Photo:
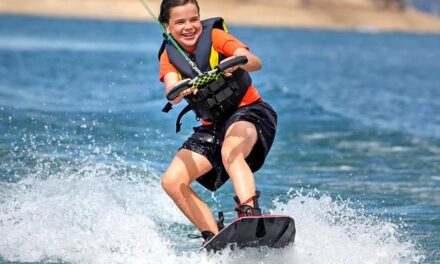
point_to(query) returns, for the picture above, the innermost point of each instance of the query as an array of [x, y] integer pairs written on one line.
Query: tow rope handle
[[174, 93]]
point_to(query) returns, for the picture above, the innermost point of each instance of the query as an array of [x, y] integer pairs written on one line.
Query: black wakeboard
[[275, 231]]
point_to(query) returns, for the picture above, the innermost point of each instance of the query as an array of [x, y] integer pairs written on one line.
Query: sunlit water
[[83, 143]]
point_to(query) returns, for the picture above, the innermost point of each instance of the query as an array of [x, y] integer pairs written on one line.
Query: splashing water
[[330, 231], [107, 214]]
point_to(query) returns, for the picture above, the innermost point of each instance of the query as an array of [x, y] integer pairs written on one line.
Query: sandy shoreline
[[323, 14]]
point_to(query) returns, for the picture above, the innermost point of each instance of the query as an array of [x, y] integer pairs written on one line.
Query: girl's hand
[[228, 72], [191, 90]]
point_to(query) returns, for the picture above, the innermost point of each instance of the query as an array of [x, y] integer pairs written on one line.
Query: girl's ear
[[167, 27]]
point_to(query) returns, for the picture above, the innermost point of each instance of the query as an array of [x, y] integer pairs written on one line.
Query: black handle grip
[[174, 93], [240, 60]]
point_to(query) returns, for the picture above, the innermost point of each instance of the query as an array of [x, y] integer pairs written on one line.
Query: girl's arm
[[171, 79], [253, 64]]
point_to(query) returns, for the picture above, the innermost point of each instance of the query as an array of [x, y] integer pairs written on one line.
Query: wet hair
[[167, 5]]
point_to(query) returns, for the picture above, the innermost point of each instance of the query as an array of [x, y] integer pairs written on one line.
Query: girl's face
[[185, 26]]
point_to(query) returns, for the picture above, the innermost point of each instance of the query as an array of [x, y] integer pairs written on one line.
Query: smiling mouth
[[189, 35]]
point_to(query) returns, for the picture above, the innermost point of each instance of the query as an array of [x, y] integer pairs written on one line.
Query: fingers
[[192, 90], [228, 72], [195, 90]]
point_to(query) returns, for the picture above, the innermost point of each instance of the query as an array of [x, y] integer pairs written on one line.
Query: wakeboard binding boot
[[206, 235], [243, 209]]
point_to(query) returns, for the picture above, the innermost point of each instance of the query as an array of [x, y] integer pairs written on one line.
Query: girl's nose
[[188, 24]]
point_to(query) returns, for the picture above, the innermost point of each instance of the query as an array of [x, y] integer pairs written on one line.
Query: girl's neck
[[190, 50]]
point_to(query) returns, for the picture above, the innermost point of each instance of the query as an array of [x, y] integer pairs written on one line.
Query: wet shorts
[[208, 140]]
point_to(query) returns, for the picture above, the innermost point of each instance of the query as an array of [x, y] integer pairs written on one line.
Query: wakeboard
[[275, 231]]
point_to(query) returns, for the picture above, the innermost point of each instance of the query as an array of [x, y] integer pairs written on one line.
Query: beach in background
[[365, 15]]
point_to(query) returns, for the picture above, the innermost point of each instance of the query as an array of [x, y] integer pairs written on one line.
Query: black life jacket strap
[[167, 107], [185, 110], [179, 117]]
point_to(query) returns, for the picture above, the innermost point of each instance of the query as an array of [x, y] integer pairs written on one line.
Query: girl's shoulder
[[220, 36], [226, 43], [218, 33]]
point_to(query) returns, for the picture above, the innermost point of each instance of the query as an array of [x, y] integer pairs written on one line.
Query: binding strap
[[221, 221], [237, 207], [246, 210]]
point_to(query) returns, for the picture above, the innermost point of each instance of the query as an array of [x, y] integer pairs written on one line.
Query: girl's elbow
[[258, 64]]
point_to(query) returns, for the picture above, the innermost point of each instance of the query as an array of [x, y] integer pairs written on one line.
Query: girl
[[232, 146]]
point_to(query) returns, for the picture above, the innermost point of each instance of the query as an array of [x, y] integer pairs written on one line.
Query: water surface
[[83, 143]]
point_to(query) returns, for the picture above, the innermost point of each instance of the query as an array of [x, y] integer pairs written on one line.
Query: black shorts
[[208, 141]]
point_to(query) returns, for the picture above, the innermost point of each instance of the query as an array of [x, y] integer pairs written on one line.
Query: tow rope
[[170, 38]]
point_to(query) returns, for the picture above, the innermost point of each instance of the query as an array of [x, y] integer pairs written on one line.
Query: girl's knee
[[230, 155], [170, 183], [226, 153]]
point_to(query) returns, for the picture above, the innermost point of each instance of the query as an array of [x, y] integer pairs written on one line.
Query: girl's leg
[[186, 167], [239, 140]]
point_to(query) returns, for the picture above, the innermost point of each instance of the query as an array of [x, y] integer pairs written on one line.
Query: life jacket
[[219, 98]]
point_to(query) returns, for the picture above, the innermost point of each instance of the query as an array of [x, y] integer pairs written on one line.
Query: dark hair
[[167, 5]]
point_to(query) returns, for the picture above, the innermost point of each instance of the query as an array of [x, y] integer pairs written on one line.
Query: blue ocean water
[[83, 142]]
